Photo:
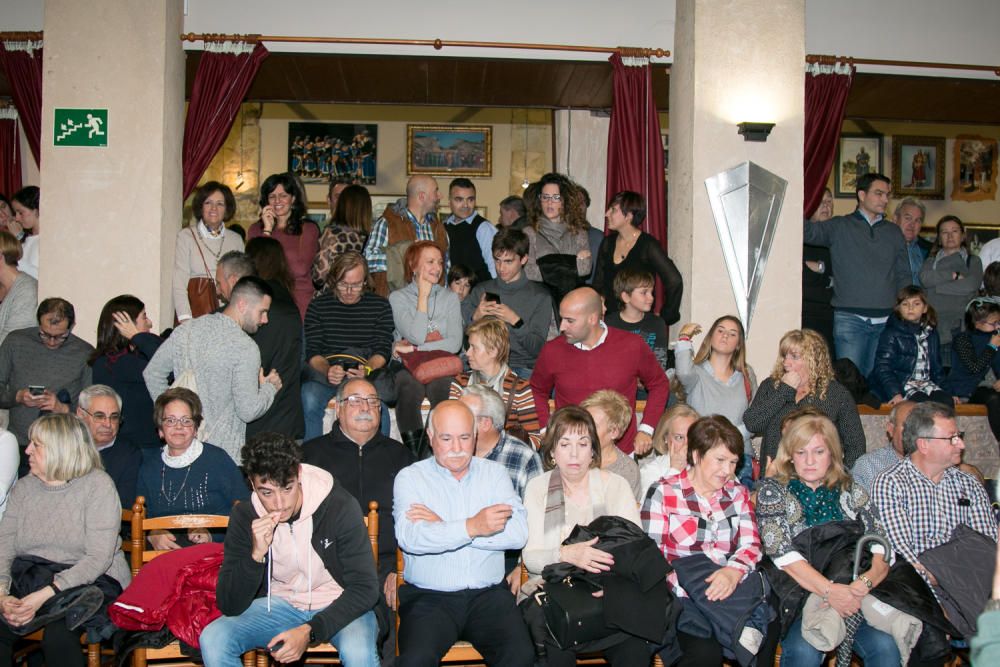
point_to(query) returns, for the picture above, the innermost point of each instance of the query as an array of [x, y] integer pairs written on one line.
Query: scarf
[[495, 383], [186, 458], [819, 506], [555, 506]]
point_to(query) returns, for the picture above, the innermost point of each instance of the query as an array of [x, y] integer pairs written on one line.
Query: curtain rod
[[438, 44], [21, 36], [832, 60]]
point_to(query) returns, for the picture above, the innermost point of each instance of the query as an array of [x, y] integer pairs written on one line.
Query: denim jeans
[[873, 646], [315, 397], [227, 638], [856, 339]]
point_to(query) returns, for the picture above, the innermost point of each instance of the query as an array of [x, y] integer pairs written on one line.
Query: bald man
[[455, 514], [589, 356], [869, 466], [402, 223]]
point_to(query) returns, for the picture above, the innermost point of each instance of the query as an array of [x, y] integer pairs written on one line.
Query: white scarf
[[184, 459]]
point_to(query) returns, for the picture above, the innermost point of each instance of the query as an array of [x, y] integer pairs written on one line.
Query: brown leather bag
[[203, 297], [431, 365]]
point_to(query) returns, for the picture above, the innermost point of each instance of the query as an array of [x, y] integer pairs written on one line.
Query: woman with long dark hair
[[125, 345], [26, 202], [283, 218], [348, 230]]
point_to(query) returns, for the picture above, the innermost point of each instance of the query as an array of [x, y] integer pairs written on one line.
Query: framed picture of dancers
[[321, 152], [918, 167], [857, 155], [975, 169], [449, 150]]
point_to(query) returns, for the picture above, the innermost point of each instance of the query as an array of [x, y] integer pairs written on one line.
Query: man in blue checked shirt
[[455, 514]]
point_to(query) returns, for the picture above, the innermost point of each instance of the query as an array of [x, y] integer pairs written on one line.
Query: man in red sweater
[[590, 356]]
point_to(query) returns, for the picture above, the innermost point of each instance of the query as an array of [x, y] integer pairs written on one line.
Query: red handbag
[[431, 365]]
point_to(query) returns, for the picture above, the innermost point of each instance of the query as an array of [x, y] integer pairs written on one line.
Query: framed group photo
[[321, 152], [918, 167], [857, 155], [975, 169], [449, 150]]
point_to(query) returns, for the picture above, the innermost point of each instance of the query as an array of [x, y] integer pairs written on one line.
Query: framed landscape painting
[[449, 150], [857, 155], [918, 167], [975, 165]]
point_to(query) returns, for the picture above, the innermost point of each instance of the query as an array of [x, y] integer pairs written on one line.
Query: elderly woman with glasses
[[187, 476], [347, 318]]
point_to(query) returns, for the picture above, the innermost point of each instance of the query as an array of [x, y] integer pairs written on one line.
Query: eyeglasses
[[174, 422], [555, 198], [113, 418], [61, 338], [356, 401], [954, 439], [350, 287]]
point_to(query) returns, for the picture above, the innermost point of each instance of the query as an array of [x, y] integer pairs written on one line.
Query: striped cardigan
[[522, 411]]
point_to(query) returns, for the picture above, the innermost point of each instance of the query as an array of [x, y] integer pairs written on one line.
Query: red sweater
[[617, 363]]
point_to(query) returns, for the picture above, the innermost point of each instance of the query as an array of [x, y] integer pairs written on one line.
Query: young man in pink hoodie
[[298, 567]]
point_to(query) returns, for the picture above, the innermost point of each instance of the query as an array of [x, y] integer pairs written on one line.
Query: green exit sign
[[81, 127]]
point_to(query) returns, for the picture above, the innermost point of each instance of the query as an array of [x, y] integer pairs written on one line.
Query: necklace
[[180, 489], [628, 245], [215, 253]]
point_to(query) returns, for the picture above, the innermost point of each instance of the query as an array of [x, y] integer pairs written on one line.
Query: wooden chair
[[140, 555], [95, 652], [325, 653]]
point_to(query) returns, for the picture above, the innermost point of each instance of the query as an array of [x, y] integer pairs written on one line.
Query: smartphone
[[36, 389], [490, 296], [348, 364], [277, 647]]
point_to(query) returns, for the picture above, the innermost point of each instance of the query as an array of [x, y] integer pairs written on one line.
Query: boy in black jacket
[[298, 567]]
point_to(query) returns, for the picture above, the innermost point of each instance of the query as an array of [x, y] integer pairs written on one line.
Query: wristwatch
[[312, 636], [518, 324], [868, 582]]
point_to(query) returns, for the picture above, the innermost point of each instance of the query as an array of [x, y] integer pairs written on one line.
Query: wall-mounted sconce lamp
[[755, 131]]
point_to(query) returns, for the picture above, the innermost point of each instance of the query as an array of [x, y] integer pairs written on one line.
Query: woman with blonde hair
[[809, 486], [803, 376], [669, 454], [612, 414], [718, 380], [62, 518], [488, 354]]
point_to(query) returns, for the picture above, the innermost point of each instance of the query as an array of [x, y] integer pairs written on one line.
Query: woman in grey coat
[[951, 275]]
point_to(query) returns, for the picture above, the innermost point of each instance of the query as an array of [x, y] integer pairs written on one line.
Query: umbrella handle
[[865, 539]]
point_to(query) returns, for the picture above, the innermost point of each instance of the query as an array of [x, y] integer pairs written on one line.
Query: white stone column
[[740, 60], [109, 215], [582, 154]]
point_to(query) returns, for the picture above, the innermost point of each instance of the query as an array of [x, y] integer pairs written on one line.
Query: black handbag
[[573, 615]]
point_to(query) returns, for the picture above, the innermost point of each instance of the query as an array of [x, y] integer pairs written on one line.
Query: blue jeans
[[522, 372], [856, 339], [227, 638], [873, 646], [315, 397]]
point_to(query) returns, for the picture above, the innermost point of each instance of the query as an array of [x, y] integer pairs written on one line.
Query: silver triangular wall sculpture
[[746, 201]]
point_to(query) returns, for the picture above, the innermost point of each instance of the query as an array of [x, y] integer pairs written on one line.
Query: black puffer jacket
[[896, 356], [829, 548]]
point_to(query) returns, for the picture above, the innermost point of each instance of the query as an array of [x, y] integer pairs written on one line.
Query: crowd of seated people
[[489, 323]]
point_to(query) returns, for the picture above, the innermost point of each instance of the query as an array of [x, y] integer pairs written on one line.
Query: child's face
[[641, 298], [989, 325], [461, 287], [912, 308]]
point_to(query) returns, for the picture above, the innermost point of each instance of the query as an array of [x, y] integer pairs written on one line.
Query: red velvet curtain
[[221, 83], [22, 65], [10, 157], [635, 154], [827, 89]]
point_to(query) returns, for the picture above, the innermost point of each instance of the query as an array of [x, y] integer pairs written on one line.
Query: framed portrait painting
[[321, 152], [975, 167], [857, 155], [449, 150], [918, 167]]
